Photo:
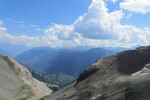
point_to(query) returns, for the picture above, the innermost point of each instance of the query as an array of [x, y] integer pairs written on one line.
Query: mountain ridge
[[70, 62], [111, 78]]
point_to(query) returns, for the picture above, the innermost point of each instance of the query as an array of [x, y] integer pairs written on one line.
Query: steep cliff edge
[[112, 78]]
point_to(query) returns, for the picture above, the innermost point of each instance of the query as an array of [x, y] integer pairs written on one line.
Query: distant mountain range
[[7, 49], [71, 61], [68, 61]]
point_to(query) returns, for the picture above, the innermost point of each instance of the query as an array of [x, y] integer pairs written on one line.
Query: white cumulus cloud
[[22, 39], [97, 22], [138, 6], [60, 32]]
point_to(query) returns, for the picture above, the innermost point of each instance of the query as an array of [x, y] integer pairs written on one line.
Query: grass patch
[[1, 99], [24, 93], [5, 58], [53, 87], [43, 98], [10, 64], [25, 98]]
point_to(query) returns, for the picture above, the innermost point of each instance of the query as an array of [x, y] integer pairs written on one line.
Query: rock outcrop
[[112, 78]]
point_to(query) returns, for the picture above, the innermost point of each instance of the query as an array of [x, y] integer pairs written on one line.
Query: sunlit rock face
[[144, 71]]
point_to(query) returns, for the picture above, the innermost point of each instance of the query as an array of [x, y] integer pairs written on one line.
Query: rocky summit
[[123, 76]]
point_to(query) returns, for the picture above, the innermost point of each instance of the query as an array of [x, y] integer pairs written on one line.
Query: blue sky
[[61, 23], [40, 13], [43, 12]]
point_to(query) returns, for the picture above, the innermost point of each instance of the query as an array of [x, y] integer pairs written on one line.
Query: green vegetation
[[43, 98], [11, 64], [59, 79], [1, 99], [24, 93], [53, 87], [24, 98], [130, 93]]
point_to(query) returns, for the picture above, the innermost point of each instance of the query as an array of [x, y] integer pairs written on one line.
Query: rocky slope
[[123, 76], [17, 83]]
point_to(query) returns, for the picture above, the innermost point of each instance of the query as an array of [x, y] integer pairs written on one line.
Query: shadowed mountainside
[[117, 77]]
